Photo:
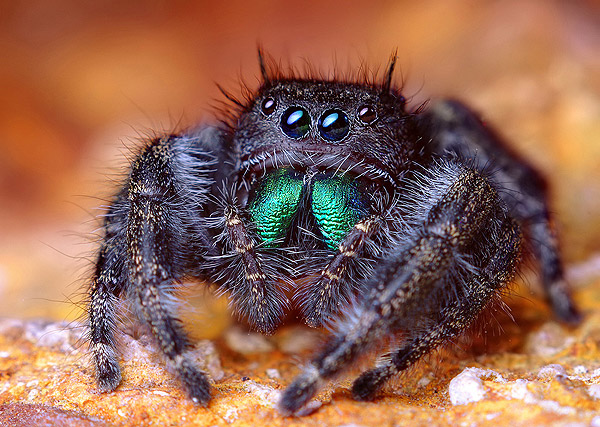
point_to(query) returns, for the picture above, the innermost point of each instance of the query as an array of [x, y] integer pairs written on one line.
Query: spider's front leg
[[460, 249], [154, 236], [106, 287], [454, 128]]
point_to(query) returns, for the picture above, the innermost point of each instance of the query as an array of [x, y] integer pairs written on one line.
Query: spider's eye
[[367, 114], [295, 122], [334, 125], [268, 106]]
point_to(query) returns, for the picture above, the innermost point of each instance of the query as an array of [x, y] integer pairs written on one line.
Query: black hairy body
[[377, 220]]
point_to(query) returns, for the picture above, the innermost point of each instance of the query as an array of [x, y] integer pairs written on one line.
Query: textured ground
[[533, 374], [79, 80]]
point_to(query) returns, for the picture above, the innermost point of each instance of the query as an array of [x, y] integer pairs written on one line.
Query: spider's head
[[319, 126]]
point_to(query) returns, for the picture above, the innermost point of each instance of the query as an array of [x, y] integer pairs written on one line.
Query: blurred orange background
[[81, 81]]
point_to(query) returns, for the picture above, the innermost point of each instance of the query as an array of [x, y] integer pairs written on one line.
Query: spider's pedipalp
[[322, 294]]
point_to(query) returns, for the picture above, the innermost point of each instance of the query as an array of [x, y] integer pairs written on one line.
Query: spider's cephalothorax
[[332, 200]]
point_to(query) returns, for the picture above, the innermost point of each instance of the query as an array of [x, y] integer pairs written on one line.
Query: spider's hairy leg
[[332, 287], [454, 210], [166, 191], [454, 128], [158, 238], [453, 318], [107, 285]]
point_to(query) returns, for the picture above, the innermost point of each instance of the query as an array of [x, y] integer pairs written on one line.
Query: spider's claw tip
[[297, 394], [197, 386], [365, 387]]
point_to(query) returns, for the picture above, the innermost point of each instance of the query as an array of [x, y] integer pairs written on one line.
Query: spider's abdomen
[[335, 202]]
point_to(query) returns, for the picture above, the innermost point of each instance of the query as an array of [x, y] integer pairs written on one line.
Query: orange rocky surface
[[535, 372]]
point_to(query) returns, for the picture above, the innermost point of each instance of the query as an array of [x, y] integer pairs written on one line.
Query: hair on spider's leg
[[106, 287], [164, 235], [455, 128], [454, 318], [102, 317], [544, 243]]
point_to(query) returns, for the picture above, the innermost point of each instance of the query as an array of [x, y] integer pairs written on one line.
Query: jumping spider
[[333, 199]]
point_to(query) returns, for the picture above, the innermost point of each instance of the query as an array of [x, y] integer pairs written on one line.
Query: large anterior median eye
[[334, 125], [295, 122]]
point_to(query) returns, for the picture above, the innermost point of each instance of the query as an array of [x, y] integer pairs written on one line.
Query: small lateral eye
[[367, 114], [334, 125], [295, 122], [268, 105]]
